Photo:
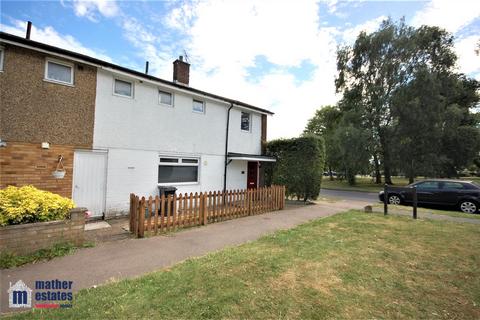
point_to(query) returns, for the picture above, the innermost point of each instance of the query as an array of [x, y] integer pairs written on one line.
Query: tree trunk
[[378, 176], [330, 173], [386, 159]]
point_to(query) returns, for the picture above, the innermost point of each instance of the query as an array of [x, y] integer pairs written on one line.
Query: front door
[[252, 177], [89, 181]]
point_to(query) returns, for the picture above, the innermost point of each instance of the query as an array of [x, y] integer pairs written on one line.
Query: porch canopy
[[250, 157]]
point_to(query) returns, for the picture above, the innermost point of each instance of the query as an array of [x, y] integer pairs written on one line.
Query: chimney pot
[[181, 71]]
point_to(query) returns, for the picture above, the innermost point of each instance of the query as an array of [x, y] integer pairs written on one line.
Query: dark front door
[[252, 176]]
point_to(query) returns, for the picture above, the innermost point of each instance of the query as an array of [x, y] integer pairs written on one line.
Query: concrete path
[[134, 257]]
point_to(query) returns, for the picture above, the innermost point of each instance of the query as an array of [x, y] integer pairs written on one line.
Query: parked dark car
[[464, 195]]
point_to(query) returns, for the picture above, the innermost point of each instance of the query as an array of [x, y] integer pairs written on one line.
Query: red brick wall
[[27, 163], [30, 237]]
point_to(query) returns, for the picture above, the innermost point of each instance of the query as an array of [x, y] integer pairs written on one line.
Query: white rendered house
[[150, 132]]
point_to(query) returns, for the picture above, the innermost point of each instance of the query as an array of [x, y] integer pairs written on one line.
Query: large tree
[[378, 65]]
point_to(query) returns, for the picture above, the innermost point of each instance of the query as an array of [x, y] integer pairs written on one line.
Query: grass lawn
[[349, 266], [408, 209], [366, 184]]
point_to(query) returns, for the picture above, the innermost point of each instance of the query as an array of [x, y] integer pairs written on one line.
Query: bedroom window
[[59, 72], [165, 98], [123, 88], [245, 121], [178, 170], [198, 106]]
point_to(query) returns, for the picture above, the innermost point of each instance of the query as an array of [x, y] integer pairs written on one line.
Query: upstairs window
[[245, 121], [60, 72], [1, 58], [123, 88], [198, 106], [165, 98], [178, 170]]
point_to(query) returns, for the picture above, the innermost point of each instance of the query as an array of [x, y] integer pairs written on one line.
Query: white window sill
[[177, 184], [59, 82], [166, 105], [245, 131], [122, 96]]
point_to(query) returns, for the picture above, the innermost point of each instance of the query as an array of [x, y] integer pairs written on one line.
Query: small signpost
[[414, 200], [385, 200]]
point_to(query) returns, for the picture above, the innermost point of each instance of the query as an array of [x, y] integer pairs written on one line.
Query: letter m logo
[[19, 295]]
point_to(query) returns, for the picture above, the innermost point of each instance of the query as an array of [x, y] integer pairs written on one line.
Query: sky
[[278, 55]]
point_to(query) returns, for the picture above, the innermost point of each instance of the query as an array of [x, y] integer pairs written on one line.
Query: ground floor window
[[178, 170]]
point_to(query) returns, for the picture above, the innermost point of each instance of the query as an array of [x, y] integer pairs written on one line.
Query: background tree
[[324, 123], [379, 78]]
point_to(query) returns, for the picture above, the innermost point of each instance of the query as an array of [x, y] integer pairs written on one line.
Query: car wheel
[[394, 199], [468, 206]]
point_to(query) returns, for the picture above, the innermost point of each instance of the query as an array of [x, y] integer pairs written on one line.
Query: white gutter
[[253, 159]]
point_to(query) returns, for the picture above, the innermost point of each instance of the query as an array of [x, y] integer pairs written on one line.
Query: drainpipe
[[226, 150]]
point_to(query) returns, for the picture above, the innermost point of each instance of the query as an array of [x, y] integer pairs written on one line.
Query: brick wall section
[[35, 110], [27, 163], [181, 71], [30, 237]]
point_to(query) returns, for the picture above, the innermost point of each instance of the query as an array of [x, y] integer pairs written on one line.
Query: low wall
[[29, 237]]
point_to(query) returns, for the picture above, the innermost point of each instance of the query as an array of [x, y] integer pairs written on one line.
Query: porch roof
[[250, 157]]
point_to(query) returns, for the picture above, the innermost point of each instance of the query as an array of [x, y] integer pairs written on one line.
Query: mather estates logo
[[47, 294]]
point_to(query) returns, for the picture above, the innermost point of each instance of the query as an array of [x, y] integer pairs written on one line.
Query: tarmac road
[[350, 195]]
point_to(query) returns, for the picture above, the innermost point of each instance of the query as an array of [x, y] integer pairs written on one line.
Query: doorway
[[252, 176], [89, 181]]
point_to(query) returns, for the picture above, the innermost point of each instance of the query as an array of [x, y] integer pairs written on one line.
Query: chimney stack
[[29, 29], [181, 71]]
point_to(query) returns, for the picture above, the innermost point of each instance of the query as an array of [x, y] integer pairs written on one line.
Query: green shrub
[[29, 204], [299, 165]]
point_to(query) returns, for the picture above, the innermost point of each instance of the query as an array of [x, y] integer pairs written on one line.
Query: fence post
[[385, 199], [141, 218], [204, 208], [249, 195], [415, 202]]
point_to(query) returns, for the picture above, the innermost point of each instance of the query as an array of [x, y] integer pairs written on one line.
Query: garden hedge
[[299, 166]]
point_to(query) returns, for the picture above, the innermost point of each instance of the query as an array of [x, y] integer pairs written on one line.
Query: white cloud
[[468, 60], [50, 36], [351, 34], [451, 15], [226, 37], [89, 8]]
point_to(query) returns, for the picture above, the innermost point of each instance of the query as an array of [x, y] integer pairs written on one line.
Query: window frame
[[172, 98], [180, 163], [132, 91], [203, 103], [249, 121], [62, 63], [2, 58]]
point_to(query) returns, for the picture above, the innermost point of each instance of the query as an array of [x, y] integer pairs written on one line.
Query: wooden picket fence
[[162, 214]]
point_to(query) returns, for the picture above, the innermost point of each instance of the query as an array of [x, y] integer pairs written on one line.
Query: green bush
[[29, 204], [299, 165]]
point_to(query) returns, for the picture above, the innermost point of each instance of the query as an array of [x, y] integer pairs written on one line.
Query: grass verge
[[366, 184], [349, 266], [10, 260], [408, 209]]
